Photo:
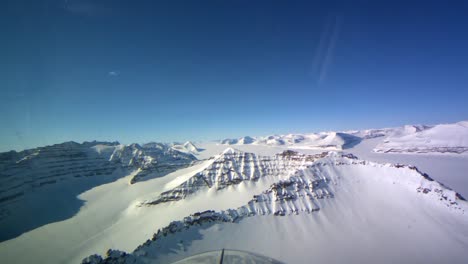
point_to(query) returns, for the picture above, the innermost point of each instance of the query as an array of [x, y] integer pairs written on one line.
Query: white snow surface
[[440, 138]]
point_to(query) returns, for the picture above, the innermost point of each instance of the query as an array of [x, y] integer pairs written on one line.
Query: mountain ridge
[[295, 195]]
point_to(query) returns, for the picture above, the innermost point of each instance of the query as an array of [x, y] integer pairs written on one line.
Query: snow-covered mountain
[[451, 138], [26, 174], [28, 170], [233, 167], [329, 186], [445, 138], [151, 159], [187, 147], [385, 132], [238, 141], [324, 140], [293, 197]]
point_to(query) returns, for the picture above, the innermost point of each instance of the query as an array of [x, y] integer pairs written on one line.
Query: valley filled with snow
[[391, 195]]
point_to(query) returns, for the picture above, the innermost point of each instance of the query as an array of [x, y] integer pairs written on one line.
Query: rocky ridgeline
[[25, 171], [151, 158], [21, 172], [298, 194], [436, 189], [233, 167], [299, 187], [456, 150], [419, 181]]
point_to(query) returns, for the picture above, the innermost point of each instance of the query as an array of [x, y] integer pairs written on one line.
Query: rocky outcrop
[[233, 167], [456, 150], [151, 158]]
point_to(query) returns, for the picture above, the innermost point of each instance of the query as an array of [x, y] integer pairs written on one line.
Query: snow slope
[[187, 147], [449, 168], [450, 138]]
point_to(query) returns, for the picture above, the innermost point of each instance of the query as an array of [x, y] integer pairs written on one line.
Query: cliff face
[[233, 167]]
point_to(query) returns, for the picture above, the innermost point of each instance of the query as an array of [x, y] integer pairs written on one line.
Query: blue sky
[[138, 71]]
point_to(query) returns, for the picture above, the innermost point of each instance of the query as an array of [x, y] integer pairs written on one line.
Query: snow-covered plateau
[[392, 195], [441, 138]]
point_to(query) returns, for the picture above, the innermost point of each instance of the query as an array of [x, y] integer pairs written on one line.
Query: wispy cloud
[[113, 73], [326, 49]]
